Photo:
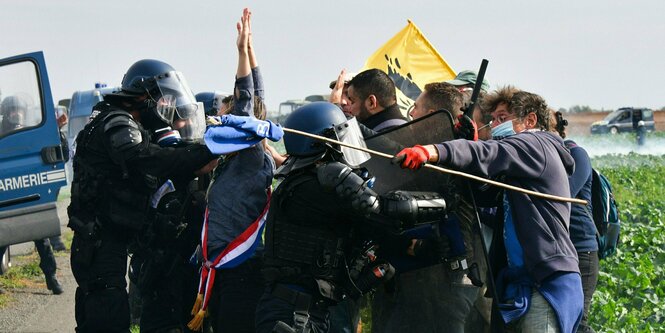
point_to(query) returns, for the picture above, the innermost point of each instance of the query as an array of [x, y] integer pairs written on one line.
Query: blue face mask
[[504, 130]]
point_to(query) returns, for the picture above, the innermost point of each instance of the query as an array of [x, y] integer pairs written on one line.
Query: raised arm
[[254, 65], [243, 95]]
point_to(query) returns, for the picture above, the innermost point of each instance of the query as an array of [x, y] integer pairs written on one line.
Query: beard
[[363, 113]]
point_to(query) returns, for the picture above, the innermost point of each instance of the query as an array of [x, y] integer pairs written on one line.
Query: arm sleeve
[[582, 171], [259, 90], [170, 162], [516, 156], [243, 97]]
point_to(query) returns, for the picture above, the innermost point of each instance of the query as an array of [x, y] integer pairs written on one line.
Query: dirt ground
[[580, 123]]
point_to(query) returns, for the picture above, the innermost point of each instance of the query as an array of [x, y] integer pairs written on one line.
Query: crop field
[[631, 287]]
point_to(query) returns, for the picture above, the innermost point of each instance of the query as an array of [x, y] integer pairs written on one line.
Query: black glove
[[466, 128]]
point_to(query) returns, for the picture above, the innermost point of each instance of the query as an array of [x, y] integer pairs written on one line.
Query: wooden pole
[[444, 170]]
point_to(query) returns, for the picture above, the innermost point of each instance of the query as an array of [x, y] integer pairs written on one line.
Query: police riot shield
[[433, 128]]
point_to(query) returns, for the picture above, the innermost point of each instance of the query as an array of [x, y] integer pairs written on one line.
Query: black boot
[[57, 244], [53, 285]]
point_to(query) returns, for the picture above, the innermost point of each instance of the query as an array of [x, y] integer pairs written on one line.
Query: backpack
[[605, 214]]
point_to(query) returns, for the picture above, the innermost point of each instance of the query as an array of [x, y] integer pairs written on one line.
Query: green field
[[631, 288]]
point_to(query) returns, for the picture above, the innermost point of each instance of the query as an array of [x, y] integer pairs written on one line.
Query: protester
[[440, 297], [237, 197], [437, 96], [116, 171], [372, 100], [466, 80], [340, 88], [538, 276], [582, 228]]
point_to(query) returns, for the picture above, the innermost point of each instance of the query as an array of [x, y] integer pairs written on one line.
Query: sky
[[604, 54]]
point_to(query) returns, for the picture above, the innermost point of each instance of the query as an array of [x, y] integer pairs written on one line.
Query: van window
[[20, 98], [623, 116], [647, 114]]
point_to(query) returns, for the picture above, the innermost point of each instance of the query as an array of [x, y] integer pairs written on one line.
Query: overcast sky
[[605, 54]]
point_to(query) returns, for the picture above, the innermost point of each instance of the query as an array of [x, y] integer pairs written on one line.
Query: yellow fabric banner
[[412, 62]]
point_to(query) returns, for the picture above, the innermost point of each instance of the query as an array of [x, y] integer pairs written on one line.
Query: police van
[[32, 168], [80, 108]]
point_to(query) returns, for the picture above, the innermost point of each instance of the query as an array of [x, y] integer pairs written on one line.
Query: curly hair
[[501, 95], [523, 102]]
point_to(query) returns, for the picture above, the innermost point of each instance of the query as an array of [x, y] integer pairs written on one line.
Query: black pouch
[[83, 250]]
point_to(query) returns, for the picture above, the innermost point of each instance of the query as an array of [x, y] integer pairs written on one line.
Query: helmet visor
[[175, 85], [349, 133], [192, 129]]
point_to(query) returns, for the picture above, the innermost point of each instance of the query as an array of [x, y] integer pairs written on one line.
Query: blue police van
[[32, 163], [80, 108]]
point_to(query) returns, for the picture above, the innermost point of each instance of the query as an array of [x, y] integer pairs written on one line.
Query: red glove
[[466, 128], [413, 158]]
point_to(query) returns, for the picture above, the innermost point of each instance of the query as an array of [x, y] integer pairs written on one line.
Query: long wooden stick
[[444, 170]]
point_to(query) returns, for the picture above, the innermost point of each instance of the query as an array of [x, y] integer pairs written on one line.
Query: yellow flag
[[412, 62]]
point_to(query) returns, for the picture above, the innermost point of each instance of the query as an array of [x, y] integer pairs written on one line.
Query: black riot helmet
[[324, 119], [166, 91]]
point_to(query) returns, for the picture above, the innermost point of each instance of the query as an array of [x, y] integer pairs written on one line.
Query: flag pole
[[444, 170]]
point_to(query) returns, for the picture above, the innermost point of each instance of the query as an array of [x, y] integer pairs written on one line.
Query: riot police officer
[[318, 249], [116, 173]]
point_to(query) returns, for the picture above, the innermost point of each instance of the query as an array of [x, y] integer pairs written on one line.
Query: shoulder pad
[[122, 131], [332, 174]]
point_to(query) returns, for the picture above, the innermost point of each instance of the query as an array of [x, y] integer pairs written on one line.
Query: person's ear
[[371, 102], [531, 120]]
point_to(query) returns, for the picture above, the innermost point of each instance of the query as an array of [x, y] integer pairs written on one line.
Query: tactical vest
[[103, 191], [298, 253]]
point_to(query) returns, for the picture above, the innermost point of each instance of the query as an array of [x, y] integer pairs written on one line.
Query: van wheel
[[614, 130], [6, 261]]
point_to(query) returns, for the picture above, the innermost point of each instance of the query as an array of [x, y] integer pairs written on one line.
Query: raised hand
[[336, 93], [243, 31]]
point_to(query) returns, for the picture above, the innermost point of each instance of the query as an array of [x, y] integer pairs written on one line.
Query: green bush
[[630, 296]]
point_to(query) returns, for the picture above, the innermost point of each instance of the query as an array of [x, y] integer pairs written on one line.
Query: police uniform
[[318, 242], [116, 170]]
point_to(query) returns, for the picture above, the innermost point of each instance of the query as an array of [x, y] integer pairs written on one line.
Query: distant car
[[624, 120]]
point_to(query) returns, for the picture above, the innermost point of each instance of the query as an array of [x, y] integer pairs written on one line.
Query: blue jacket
[[537, 161], [582, 228]]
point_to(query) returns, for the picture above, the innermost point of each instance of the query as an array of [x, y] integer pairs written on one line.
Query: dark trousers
[[46, 257], [272, 309], [99, 268], [589, 267], [431, 299], [235, 294], [167, 305]]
